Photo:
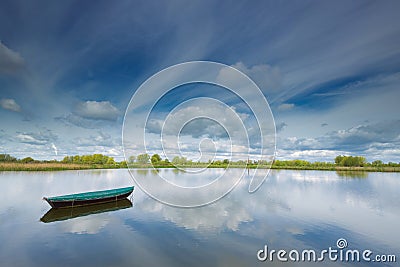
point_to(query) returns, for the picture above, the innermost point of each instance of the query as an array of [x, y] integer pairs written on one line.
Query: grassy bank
[[41, 166], [57, 166]]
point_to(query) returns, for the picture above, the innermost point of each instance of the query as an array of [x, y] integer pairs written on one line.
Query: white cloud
[[86, 225], [10, 104], [361, 136], [43, 137], [72, 119], [29, 139], [285, 106], [311, 155], [101, 139], [280, 126], [97, 110], [374, 141], [268, 78], [191, 119], [10, 61]]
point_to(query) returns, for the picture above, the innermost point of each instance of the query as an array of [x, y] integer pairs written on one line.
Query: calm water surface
[[292, 210]]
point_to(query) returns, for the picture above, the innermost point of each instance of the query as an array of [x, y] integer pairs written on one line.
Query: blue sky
[[329, 70]]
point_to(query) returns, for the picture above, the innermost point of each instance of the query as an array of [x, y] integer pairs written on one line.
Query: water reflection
[[54, 215], [352, 174], [308, 198], [143, 172], [292, 210]]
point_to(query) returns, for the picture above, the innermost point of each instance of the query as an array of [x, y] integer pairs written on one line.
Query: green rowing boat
[[89, 198]]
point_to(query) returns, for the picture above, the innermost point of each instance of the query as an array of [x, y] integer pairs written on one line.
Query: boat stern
[[48, 201]]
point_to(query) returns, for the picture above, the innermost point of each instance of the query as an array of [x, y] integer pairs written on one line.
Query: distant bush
[[350, 161], [27, 160], [7, 158], [89, 159]]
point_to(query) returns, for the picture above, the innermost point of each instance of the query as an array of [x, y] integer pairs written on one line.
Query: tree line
[[89, 159], [94, 159], [9, 158], [339, 161], [156, 160]]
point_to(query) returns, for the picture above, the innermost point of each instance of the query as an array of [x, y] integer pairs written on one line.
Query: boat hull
[[67, 203]]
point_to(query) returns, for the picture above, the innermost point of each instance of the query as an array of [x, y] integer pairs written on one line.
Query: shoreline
[[69, 166]]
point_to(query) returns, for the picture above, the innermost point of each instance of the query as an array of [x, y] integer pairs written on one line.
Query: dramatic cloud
[[10, 104], [10, 61], [43, 137], [217, 127], [362, 136], [195, 128], [102, 110], [375, 141], [336, 65]]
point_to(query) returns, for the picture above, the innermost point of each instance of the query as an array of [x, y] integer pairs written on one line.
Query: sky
[[330, 71]]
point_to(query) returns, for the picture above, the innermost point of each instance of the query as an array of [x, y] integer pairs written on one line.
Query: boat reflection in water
[[54, 214]]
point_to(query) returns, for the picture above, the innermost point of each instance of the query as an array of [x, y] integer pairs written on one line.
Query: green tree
[[176, 160], [68, 159], [155, 159], [350, 161], [143, 158], [132, 159], [27, 160], [86, 159], [7, 158], [240, 162], [98, 159], [123, 164], [377, 163], [110, 161], [338, 159], [77, 159], [179, 160]]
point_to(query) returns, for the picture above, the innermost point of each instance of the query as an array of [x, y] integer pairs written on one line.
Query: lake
[[292, 210]]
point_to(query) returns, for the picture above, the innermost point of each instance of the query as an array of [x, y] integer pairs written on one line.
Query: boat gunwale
[[80, 196]]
